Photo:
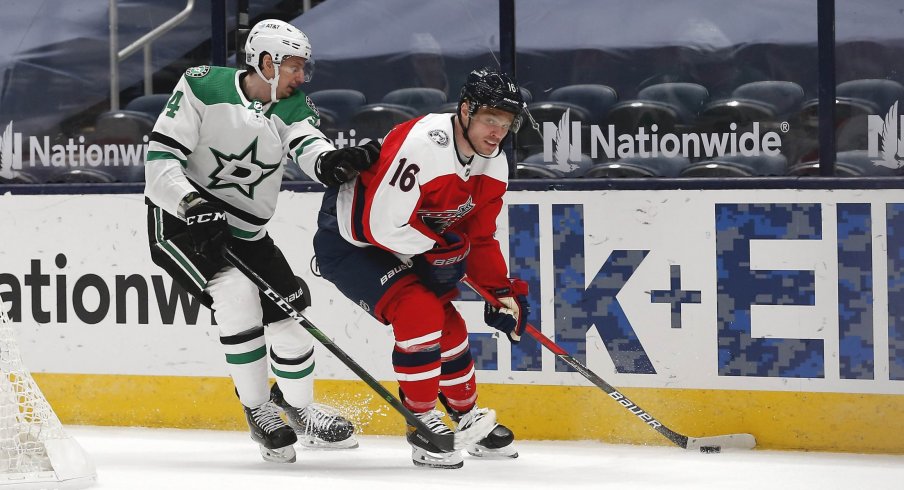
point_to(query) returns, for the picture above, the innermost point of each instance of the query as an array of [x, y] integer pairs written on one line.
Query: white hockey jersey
[[418, 190], [212, 140]]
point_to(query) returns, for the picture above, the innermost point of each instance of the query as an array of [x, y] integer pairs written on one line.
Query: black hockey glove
[[512, 318], [337, 167], [207, 228], [442, 267]]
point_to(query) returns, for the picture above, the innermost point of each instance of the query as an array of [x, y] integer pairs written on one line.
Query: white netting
[[33, 445]]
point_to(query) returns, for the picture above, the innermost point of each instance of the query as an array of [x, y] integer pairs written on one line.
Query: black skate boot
[[318, 426], [271, 433], [426, 454], [497, 444]]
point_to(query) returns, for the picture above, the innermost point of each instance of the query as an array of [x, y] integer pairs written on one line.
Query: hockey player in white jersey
[[214, 168]]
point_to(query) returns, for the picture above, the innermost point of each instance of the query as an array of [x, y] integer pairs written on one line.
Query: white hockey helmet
[[280, 40]]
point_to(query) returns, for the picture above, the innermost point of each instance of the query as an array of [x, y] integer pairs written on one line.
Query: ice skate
[[317, 426], [496, 444], [271, 433], [426, 454]]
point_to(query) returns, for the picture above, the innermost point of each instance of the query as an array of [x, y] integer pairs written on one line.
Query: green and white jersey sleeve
[[211, 139], [296, 119]]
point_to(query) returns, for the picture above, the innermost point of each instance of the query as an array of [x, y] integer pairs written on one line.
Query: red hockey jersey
[[419, 190]]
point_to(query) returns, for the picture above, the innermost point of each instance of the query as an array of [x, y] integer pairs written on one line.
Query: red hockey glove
[[442, 267], [512, 318]]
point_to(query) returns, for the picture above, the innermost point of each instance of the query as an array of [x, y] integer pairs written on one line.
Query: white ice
[[168, 459]]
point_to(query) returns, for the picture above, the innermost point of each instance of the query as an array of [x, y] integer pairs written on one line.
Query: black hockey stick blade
[[445, 442], [714, 443]]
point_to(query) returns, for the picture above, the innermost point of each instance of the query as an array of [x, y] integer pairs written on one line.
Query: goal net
[[35, 452]]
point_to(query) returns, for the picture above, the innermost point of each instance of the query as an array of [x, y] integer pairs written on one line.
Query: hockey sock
[[292, 361], [246, 360], [416, 316], [457, 379], [295, 378]]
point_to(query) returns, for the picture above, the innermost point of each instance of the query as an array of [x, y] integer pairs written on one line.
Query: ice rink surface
[[165, 459]]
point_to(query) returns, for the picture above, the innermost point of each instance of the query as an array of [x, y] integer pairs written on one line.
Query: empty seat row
[[855, 163]]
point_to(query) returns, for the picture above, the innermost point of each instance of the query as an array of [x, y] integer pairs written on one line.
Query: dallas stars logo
[[243, 171]]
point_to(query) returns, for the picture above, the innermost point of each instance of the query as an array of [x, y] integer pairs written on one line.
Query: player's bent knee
[[414, 312], [288, 339], [236, 301]]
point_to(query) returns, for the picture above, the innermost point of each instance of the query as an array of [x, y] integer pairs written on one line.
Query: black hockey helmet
[[486, 87]]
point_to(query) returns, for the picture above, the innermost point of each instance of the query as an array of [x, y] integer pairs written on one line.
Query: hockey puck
[[710, 449]]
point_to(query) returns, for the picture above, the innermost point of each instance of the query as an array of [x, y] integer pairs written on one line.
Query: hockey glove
[[337, 167], [441, 268], [207, 228], [512, 318]]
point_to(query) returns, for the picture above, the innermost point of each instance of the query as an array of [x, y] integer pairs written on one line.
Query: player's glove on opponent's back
[[207, 226], [512, 318], [443, 266], [337, 167]]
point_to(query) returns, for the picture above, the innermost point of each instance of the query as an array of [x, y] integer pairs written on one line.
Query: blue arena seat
[[672, 107], [536, 171], [595, 99], [738, 166], [857, 98], [424, 100], [688, 99], [766, 102], [81, 175], [639, 167], [628, 116], [375, 120], [122, 127], [785, 98], [852, 163], [341, 102], [149, 104]]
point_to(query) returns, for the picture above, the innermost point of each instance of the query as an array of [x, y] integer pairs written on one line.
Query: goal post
[[35, 451]]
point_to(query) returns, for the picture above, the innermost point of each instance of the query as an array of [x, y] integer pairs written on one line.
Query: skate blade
[[476, 432], [279, 455], [421, 464], [508, 452], [312, 442], [426, 459]]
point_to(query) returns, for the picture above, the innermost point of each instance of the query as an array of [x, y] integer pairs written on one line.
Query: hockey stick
[[704, 444], [445, 442]]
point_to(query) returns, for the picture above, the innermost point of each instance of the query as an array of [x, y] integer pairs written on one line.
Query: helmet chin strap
[[273, 82]]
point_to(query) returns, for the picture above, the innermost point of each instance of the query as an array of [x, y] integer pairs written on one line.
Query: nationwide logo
[[885, 142], [75, 153], [10, 152], [562, 143]]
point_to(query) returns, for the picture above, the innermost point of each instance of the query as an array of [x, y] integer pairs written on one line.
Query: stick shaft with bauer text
[[739, 441]]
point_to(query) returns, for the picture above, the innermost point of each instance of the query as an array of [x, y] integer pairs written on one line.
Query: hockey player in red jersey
[[397, 240]]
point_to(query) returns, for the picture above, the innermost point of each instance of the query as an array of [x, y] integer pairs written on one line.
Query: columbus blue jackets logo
[[197, 71], [439, 137], [440, 221]]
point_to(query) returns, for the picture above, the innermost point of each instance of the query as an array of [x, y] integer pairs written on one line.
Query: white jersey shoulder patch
[[439, 136], [197, 71]]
